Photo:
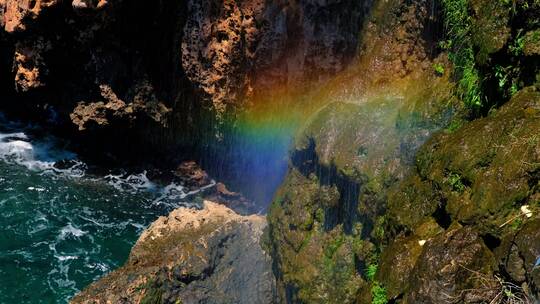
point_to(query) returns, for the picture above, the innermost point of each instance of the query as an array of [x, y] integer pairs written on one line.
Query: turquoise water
[[61, 229]]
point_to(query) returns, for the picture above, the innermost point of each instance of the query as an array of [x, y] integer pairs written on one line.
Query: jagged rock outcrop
[[211, 255]]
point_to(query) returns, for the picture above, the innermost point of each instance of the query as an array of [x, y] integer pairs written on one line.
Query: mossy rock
[[412, 201], [490, 30], [531, 44], [456, 266], [317, 263], [482, 173], [400, 256]]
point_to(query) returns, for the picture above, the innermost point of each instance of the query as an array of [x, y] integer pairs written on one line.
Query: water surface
[[60, 228]]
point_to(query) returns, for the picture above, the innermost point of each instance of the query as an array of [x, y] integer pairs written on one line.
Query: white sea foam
[[36, 189], [38, 155], [66, 257], [132, 182], [175, 195], [70, 230], [44, 155]]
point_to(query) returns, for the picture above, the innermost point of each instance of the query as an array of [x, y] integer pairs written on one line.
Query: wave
[[46, 155]]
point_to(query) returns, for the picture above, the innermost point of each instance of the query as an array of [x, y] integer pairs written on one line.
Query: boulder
[[211, 255], [455, 267]]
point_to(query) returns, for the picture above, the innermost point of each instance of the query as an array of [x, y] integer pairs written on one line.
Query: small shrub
[[454, 180], [371, 271], [378, 294], [439, 68], [517, 47]]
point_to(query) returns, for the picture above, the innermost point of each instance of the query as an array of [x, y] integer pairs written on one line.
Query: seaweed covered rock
[[211, 255]]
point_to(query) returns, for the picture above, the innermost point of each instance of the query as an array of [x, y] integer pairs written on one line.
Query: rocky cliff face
[[325, 221], [178, 69], [373, 211], [211, 255]]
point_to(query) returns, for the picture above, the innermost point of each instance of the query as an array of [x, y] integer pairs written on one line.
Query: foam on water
[[61, 227]]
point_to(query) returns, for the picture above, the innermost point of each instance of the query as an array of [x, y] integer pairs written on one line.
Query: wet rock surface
[[453, 268], [325, 220], [482, 177], [408, 217], [211, 255]]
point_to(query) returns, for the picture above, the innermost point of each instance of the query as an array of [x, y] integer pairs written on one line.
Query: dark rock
[[399, 258], [455, 267], [519, 253], [191, 175], [490, 28]]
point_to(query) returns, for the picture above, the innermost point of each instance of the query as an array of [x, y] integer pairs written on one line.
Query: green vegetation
[[378, 293], [490, 44], [371, 271], [518, 45], [516, 224], [506, 79], [461, 53], [453, 126], [439, 68], [454, 180]]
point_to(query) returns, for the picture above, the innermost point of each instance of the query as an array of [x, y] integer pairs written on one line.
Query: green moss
[[477, 174]]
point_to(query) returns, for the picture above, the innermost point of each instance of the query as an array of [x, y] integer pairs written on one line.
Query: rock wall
[[211, 255], [165, 76]]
